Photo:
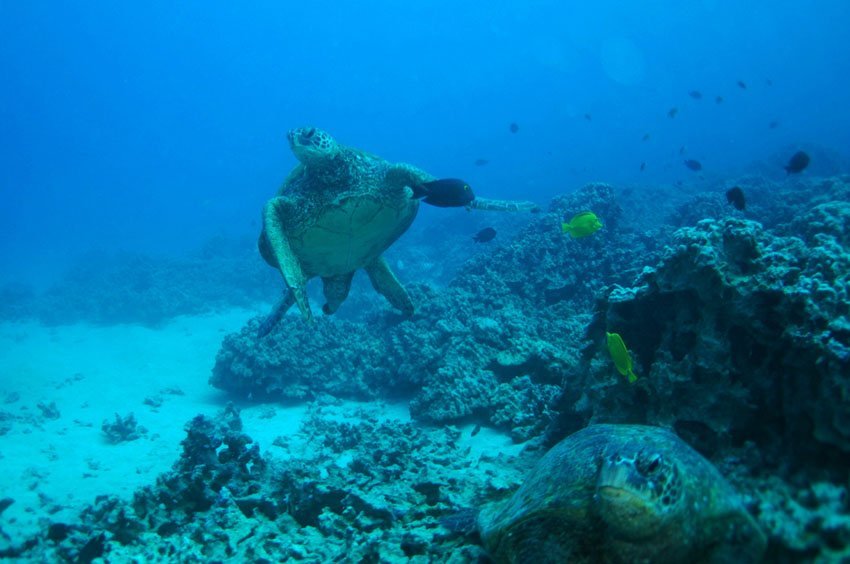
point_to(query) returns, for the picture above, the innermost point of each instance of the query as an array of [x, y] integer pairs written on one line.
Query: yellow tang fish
[[620, 356], [582, 224]]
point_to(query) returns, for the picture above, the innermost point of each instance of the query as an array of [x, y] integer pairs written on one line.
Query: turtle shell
[[351, 230], [344, 207]]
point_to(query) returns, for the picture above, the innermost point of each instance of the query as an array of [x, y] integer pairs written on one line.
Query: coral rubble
[[122, 429], [359, 488]]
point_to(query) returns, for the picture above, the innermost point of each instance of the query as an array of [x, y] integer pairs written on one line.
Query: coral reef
[[132, 287], [279, 368], [738, 326], [17, 302], [811, 523], [439, 242], [705, 205], [738, 331]]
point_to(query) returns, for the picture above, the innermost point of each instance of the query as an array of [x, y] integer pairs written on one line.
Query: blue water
[[155, 126]]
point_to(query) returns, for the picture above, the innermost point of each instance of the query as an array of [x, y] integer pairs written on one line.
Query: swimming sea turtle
[[622, 493], [338, 210]]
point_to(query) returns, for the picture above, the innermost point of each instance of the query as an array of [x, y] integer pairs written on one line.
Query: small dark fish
[[798, 163], [682, 150], [486, 234], [768, 82], [514, 127], [642, 167], [445, 193], [645, 137], [481, 162], [742, 85], [693, 165], [695, 94], [773, 125], [735, 196], [588, 117], [475, 430], [672, 113], [718, 100]]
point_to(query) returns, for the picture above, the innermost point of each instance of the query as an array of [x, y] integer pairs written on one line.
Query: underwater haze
[[154, 127], [425, 281]]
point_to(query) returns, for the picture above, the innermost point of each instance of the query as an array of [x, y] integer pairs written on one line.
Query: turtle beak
[[306, 137]]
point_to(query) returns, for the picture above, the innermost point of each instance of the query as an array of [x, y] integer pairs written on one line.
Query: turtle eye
[[309, 133], [654, 464]]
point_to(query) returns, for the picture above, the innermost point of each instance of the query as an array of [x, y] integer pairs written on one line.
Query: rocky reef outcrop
[[737, 335]]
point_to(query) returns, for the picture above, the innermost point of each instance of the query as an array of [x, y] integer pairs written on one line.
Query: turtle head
[[311, 146], [637, 492]]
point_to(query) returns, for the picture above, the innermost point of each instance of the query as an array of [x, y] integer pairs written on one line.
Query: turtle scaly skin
[[618, 494]]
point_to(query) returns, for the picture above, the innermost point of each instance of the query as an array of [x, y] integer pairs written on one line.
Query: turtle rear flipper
[[336, 290], [386, 284]]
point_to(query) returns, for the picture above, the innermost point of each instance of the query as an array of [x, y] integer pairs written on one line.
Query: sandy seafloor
[[53, 468]]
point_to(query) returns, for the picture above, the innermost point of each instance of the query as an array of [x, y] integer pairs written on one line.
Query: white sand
[[91, 373], [53, 469]]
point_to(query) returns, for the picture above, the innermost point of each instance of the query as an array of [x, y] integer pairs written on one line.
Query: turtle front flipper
[[385, 282], [336, 290], [277, 314], [275, 248], [504, 205], [400, 175]]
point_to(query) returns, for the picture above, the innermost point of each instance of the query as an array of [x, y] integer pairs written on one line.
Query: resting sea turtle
[[338, 210], [622, 493]]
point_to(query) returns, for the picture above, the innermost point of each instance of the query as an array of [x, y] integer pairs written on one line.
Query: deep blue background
[[155, 126]]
